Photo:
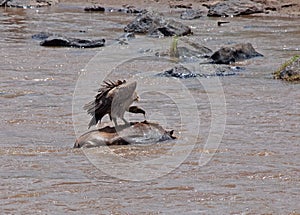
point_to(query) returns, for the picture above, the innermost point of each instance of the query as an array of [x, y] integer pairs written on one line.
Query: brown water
[[254, 171]]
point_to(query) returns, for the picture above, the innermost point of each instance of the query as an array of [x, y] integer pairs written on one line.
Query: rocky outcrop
[[290, 70], [135, 133], [234, 8], [157, 26], [233, 53], [27, 3]]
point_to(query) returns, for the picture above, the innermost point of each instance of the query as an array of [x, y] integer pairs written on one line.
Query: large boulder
[[234, 8], [157, 26], [233, 53], [135, 133], [290, 70]]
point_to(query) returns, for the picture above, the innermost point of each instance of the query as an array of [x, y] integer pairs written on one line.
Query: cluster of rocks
[[155, 25], [210, 64]]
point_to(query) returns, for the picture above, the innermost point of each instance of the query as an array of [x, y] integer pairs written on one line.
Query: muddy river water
[[238, 146]]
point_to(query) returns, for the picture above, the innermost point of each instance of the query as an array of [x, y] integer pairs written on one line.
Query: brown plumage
[[114, 98]]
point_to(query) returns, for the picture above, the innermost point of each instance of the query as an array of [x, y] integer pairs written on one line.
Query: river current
[[238, 146]]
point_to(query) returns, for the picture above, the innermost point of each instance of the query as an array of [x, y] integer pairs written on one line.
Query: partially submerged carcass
[[133, 133], [114, 98]]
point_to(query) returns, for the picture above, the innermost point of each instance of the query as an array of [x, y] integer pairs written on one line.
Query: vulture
[[113, 98]]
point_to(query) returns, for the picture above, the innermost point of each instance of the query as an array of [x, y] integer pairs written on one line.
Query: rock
[[94, 8], [227, 71], [233, 53], [178, 72], [27, 3], [57, 41], [157, 26], [190, 52], [126, 9], [191, 14], [186, 55], [234, 8], [136, 133], [182, 5], [184, 73], [290, 70]]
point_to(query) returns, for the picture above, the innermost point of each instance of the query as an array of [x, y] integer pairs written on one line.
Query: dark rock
[[182, 5], [231, 54], [136, 133], [94, 8], [157, 26], [234, 8], [191, 14], [27, 3], [127, 9], [290, 70], [220, 23], [184, 73], [178, 72], [71, 42], [228, 71]]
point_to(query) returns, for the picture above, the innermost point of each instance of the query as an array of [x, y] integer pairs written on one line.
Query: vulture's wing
[[103, 101], [123, 97]]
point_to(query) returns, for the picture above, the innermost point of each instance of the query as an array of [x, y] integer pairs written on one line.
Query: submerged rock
[[60, 41], [157, 26], [136, 133], [127, 9], [27, 3], [191, 14], [234, 8], [178, 72], [290, 70], [184, 73], [233, 53]]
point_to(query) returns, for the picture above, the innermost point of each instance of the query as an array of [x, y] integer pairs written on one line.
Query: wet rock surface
[[289, 71], [178, 72], [157, 26], [27, 3], [234, 8], [126, 9], [192, 14], [234, 53], [181, 72], [61, 41], [136, 133]]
